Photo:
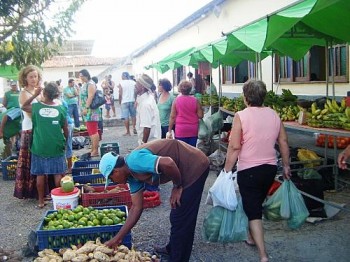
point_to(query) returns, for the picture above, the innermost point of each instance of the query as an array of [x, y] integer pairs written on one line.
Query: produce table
[[292, 125]]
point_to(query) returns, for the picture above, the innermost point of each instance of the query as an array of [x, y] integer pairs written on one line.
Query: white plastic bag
[[222, 192]]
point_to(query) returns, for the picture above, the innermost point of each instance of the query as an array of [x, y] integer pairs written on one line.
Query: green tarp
[[9, 72], [291, 32]]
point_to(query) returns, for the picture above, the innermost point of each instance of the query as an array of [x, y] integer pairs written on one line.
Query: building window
[[73, 74], [238, 74], [312, 67], [340, 62], [178, 75]]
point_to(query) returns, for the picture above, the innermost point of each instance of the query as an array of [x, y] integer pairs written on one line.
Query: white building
[[220, 16]]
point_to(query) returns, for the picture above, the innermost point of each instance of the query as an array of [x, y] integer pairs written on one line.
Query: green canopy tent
[[293, 30], [306, 23], [9, 72]]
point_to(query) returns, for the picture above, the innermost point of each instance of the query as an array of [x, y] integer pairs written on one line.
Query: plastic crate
[[109, 147], [107, 199], [89, 179], [151, 199], [64, 238], [9, 167], [84, 168]]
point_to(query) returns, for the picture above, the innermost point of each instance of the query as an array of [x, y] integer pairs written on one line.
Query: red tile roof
[[63, 61]]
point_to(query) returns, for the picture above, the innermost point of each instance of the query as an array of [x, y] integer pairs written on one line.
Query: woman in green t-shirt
[[165, 102], [50, 132]]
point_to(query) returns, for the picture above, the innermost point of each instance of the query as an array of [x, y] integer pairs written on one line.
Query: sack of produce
[[225, 226], [272, 207], [234, 225], [212, 224]]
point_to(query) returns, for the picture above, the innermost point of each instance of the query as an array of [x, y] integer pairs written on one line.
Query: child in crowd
[[108, 105], [48, 148]]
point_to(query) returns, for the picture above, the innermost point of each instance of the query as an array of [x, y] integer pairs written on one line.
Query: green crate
[[109, 147]]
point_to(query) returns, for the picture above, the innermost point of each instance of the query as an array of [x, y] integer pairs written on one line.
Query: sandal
[[40, 206], [47, 198], [135, 132], [251, 244]]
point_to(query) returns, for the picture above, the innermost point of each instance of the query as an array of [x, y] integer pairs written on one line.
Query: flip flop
[[40, 206], [47, 198]]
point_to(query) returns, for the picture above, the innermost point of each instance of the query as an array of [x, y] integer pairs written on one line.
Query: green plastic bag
[[285, 203], [212, 224], [234, 225], [277, 207], [298, 209], [225, 226]]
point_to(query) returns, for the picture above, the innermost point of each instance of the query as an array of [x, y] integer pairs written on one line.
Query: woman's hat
[[107, 164]]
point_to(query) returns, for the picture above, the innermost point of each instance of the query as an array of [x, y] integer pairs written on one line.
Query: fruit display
[[309, 157], [65, 227], [95, 251], [83, 128], [331, 116], [83, 217], [234, 105], [340, 142], [209, 100], [9, 167]]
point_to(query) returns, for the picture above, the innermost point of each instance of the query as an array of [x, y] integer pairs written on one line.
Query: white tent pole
[[333, 68], [272, 66], [327, 67], [260, 66]]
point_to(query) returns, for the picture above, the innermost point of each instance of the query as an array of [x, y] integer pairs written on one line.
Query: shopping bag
[[272, 206], [98, 100], [298, 209], [285, 206], [203, 132], [234, 225], [225, 226], [222, 192], [212, 224]]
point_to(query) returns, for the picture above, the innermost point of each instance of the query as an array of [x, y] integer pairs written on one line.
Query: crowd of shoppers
[[44, 150]]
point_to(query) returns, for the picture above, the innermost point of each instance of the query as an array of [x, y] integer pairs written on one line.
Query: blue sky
[[120, 27]]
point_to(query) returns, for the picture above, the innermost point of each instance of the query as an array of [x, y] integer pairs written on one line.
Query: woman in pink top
[[185, 114], [255, 131]]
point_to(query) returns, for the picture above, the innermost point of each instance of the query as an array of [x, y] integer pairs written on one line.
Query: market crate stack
[[86, 172], [109, 147], [9, 167]]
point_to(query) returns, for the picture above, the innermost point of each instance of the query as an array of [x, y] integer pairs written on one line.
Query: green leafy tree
[[31, 31]]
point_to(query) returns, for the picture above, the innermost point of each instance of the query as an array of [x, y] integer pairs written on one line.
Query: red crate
[[151, 199], [107, 199]]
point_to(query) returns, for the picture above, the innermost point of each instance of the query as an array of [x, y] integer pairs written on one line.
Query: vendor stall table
[[295, 126], [292, 125]]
